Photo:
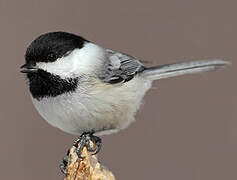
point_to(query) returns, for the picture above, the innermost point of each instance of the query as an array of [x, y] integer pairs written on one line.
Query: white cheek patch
[[80, 61], [61, 67]]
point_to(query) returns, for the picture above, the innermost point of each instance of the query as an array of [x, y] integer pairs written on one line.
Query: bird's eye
[[33, 63], [51, 56]]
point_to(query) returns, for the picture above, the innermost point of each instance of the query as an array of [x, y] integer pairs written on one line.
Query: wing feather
[[120, 67]]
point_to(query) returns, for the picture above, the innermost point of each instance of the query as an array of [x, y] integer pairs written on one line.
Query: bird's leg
[[84, 141], [80, 143]]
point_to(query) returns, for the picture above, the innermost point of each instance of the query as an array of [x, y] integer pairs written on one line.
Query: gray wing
[[120, 67]]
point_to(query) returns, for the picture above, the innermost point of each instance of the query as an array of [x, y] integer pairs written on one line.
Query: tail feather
[[171, 70]]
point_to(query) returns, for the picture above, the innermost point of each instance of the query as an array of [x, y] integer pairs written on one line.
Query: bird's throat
[[43, 84]]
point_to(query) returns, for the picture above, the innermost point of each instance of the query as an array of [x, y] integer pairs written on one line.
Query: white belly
[[104, 109]]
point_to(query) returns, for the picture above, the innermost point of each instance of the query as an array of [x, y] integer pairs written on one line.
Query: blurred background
[[187, 127]]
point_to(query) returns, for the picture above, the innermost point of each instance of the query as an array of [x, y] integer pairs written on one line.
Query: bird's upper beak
[[28, 68]]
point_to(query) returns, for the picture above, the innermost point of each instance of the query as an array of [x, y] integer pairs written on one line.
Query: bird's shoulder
[[120, 67]]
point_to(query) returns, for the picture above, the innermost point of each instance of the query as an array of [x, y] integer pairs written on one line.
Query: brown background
[[187, 128]]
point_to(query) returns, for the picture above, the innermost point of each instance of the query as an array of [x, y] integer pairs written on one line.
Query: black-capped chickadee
[[83, 88]]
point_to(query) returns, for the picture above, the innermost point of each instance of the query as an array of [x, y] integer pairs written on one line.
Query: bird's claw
[[63, 165], [84, 141]]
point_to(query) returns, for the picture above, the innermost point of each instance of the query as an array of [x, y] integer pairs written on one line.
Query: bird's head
[[55, 61]]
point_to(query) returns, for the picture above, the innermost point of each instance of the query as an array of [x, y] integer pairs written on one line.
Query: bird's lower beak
[[27, 68]]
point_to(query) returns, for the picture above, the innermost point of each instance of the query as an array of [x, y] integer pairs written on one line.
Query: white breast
[[105, 109]]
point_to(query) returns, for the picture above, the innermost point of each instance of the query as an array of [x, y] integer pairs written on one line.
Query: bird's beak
[[27, 68]]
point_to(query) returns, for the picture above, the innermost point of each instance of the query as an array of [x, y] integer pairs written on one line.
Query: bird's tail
[[171, 70]]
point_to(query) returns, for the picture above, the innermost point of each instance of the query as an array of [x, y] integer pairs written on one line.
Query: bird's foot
[[80, 143], [84, 141], [63, 165]]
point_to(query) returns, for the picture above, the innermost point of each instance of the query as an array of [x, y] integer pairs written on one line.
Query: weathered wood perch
[[86, 169]]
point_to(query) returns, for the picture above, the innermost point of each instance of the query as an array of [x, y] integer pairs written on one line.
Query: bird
[[85, 89]]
